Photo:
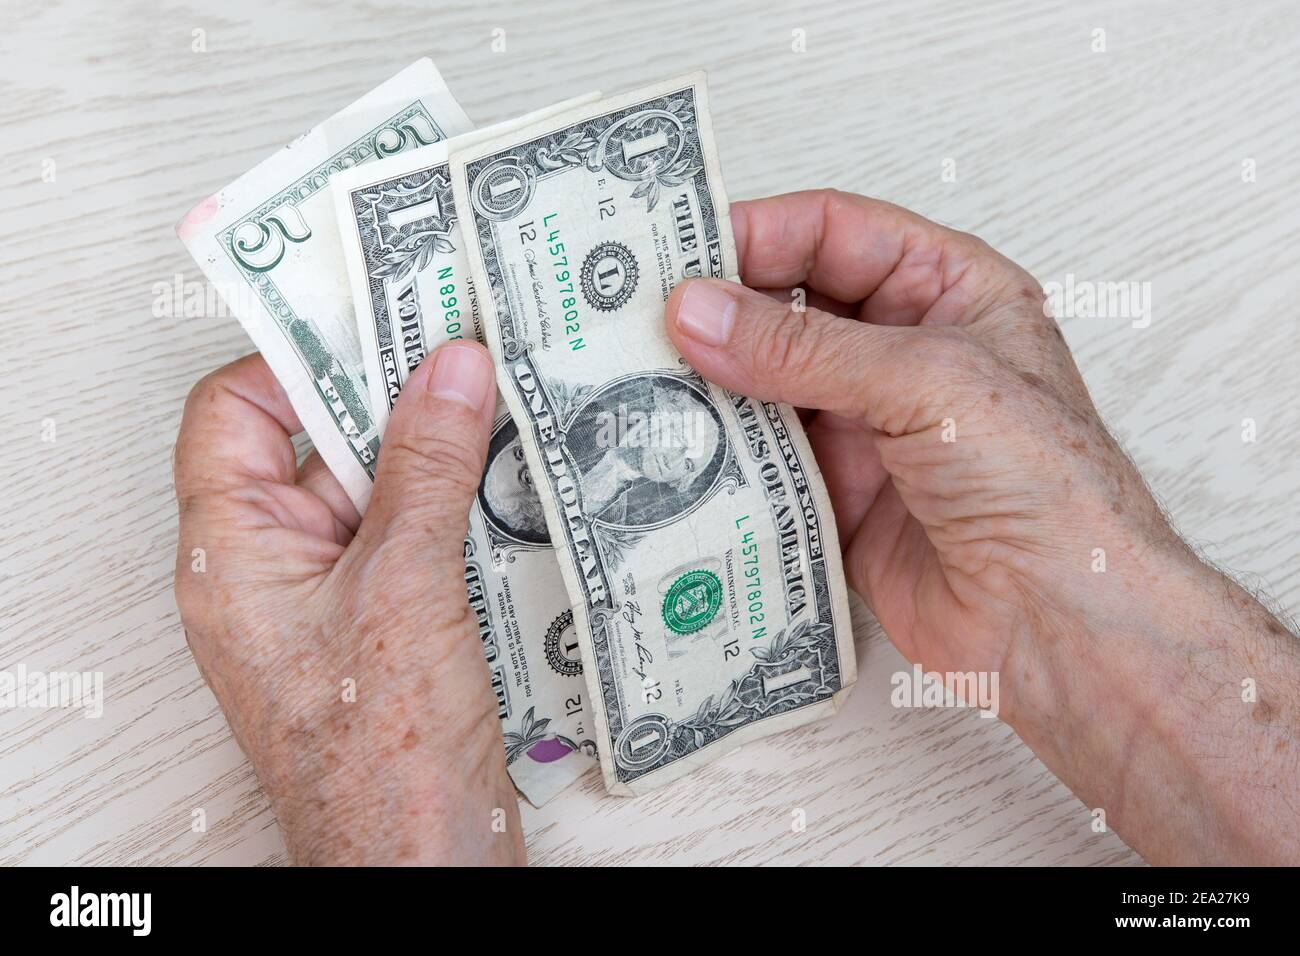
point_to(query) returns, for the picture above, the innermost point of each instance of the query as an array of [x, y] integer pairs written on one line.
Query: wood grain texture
[[1115, 166]]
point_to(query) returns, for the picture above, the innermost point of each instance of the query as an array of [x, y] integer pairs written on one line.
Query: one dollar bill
[[693, 529], [412, 291]]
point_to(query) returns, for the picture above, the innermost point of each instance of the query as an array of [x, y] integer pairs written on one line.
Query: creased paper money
[[693, 529], [269, 243], [412, 291]]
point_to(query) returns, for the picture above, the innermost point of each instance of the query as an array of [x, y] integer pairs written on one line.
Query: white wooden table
[[1119, 165]]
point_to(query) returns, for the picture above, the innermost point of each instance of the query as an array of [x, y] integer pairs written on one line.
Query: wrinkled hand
[[343, 652], [992, 524], [970, 474]]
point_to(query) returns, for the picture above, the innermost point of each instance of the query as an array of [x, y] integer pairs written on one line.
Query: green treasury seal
[[692, 601]]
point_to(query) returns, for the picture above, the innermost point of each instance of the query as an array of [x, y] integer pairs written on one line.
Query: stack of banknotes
[[653, 560]]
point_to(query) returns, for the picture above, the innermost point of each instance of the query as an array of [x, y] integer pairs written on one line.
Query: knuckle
[[989, 269], [968, 240], [200, 407], [969, 248], [1025, 299], [205, 391], [786, 341], [980, 247], [1028, 332], [445, 459], [836, 202]]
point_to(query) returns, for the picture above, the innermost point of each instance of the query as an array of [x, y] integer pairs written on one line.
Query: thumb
[[431, 459], [759, 346]]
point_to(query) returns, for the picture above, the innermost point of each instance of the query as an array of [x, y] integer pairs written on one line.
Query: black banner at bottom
[[218, 905]]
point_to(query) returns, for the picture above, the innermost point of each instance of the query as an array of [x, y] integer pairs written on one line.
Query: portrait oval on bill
[[507, 495], [647, 449]]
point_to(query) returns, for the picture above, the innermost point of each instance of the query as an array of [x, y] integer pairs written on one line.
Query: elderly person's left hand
[[343, 652]]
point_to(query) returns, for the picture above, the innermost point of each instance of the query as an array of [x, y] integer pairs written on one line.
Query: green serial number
[[564, 283], [450, 302]]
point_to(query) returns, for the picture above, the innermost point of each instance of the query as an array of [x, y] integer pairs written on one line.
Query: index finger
[[851, 248], [238, 424]]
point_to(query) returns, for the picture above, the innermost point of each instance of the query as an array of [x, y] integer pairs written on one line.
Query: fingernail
[[707, 313], [461, 374]]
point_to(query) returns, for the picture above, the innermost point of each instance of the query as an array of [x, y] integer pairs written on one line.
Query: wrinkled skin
[[973, 484], [300, 602]]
